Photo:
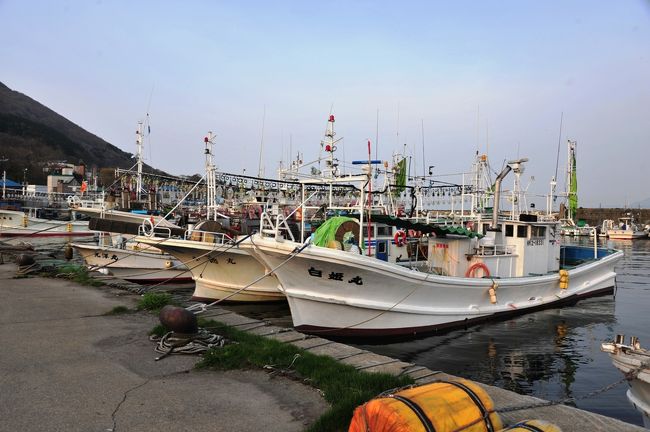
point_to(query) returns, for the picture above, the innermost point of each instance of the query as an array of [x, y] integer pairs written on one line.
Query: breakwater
[[595, 216]]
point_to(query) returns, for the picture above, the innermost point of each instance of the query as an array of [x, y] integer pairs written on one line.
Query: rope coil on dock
[[178, 343]]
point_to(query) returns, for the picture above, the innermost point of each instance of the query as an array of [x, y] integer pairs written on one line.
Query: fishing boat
[[121, 256], [634, 362], [15, 223], [627, 229], [221, 270], [134, 262], [517, 266], [568, 226]]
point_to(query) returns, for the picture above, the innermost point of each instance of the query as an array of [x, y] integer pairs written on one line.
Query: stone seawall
[[595, 216]]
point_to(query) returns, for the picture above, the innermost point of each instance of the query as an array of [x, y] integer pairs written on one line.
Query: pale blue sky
[[216, 65]]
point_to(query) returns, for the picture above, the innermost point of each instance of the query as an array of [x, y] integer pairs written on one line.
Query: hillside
[[32, 134]]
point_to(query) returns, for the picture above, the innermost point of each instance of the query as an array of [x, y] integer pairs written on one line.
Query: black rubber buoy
[[67, 252], [178, 319], [24, 260]]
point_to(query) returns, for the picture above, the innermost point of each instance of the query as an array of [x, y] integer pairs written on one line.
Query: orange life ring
[[471, 271], [400, 238]]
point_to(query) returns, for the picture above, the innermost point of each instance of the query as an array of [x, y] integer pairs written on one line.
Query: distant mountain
[[32, 135]]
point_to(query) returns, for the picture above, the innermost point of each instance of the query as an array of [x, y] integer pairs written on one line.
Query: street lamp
[[24, 181]]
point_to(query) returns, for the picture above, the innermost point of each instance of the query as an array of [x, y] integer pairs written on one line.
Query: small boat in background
[[627, 230], [124, 258], [134, 262], [634, 362], [14, 223]]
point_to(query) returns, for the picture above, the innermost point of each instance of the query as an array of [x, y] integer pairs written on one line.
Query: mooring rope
[[179, 343]]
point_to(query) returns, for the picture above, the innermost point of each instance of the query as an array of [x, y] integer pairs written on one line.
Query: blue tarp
[[10, 184]]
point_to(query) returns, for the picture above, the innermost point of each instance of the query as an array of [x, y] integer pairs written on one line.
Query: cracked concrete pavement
[[64, 366]]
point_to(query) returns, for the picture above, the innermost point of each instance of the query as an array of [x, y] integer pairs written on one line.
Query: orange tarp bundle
[[442, 406]]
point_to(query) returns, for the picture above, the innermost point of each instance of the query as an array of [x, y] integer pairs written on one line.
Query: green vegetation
[[118, 310], [159, 330], [75, 273], [155, 301], [344, 387]]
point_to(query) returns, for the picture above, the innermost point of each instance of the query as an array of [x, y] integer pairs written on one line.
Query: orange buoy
[[471, 271], [400, 238]]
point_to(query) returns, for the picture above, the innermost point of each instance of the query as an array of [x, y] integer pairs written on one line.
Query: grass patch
[[344, 387], [159, 330], [155, 301], [75, 273], [118, 310]]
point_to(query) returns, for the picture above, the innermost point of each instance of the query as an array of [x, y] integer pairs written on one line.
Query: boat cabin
[[514, 249]]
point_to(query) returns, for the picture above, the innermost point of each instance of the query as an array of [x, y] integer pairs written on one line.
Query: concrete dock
[[67, 366]]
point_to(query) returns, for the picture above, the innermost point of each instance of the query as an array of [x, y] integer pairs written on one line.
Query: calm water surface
[[551, 354]]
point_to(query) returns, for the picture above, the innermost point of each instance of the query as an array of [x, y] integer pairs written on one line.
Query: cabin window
[[383, 230], [522, 231], [381, 247], [538, 231], [509, 230]]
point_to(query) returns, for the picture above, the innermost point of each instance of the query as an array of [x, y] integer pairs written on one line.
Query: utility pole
[[4, 177], [24, 181]]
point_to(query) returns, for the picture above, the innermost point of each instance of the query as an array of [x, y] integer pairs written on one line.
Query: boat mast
[[572, 183], [260, 167], [517, 196], [210, 179], [138, 142], [331, 163]]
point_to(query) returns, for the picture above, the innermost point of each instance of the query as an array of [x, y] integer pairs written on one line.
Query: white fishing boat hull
[[18, 224], [221, 271], [620, 234], [140, 266], [630, 360], [339, 293], [123, 216]]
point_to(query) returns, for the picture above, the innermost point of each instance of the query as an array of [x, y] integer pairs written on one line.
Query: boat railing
[[491, 250], [278, 228], [147, 228], [49, 197], [207, 237]]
